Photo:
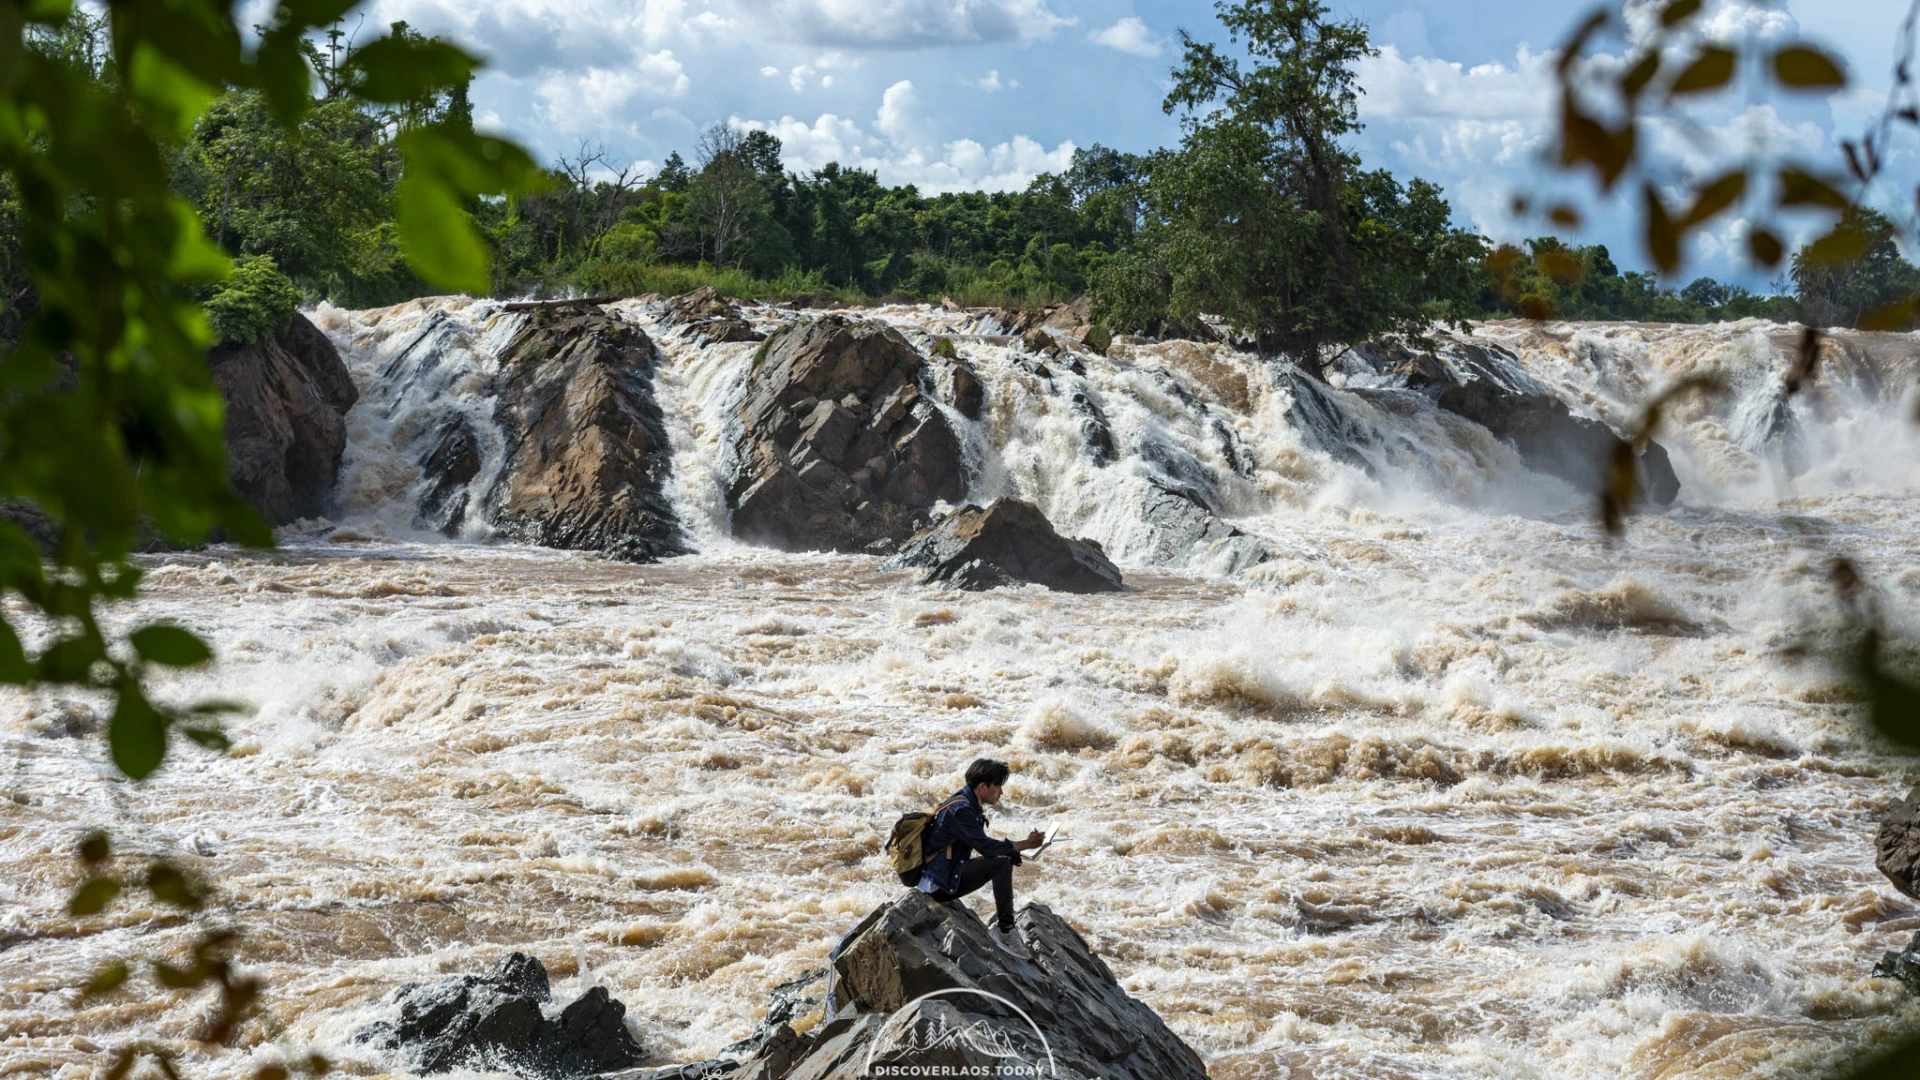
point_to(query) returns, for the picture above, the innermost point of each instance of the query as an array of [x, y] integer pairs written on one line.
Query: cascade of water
[[1165, 453]]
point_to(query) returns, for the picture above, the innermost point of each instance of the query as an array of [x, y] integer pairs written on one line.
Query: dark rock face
[[1486, 385], [495, 1021], [287, 398], [450, 465], [838, 447], [1008, 543], [587, 456], [1898, 845]]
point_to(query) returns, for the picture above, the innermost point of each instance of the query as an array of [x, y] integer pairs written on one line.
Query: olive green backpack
[[904, 849]]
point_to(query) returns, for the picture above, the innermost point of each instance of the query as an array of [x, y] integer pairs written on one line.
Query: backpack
[[904, 848]]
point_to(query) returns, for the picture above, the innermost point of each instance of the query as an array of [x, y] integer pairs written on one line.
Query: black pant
[[976, 872]]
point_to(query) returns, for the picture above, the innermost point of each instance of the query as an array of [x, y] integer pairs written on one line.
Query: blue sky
[[960, 94]]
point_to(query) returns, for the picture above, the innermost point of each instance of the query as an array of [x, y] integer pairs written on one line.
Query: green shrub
[[258, 301], [944, 348]]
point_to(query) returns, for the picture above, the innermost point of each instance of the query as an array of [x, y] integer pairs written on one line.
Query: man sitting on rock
[[965, 857]]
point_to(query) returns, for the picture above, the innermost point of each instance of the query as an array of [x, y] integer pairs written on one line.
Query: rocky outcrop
[[838, 447], [1485, 384], [586, 452], [1897, 846], [919, 986], [287, 398], [1902, 966], [498, 1021], [708, 317], [1008, 543]]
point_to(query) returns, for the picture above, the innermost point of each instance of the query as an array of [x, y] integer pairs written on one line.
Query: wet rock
[[921, 987], [1486, 384], [708, 317], [496, 1021], [1184, 531], [1903, 966], [969, 393], [838, 447], [586, 451], [1096, 434], [1008, 543], [704, 302], [287, 398], [1898, 845], [450, 464]]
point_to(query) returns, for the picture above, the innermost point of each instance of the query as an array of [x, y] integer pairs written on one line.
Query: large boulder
[[1009, 543], [498, 1020], [838, 447], [587, 460], [1485, 384], [920, 989], [1897, 847], [287, 398], [708, 317]]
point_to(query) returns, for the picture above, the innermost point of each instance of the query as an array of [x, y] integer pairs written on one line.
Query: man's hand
[[1034, 839]]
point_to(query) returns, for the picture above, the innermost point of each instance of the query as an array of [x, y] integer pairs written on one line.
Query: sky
[[986, 94]]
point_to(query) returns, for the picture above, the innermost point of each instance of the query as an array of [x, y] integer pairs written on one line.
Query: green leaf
[[1641, 74], [1663, 240], [169, 886], [14, 668], [1805, 68], [397, 70], [1765, 247], [1801, 188], [137, 735], [1842, 245], [1713, 68], [1715, 197], [1678, 12], [210, 738], [444, 168], [170, 645], [1895, 316], [93, 896], [106, 979], [94, 849]]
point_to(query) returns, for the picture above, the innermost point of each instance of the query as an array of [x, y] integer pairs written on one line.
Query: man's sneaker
[[1009, 941]]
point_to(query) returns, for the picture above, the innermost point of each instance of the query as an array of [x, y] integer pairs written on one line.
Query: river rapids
[[1450, 786]]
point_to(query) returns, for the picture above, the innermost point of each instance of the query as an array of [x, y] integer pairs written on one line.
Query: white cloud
[[797, 78], [1129, 35], [989, 82], [770, 72], [592, 99], [912, 24], [895, 119]]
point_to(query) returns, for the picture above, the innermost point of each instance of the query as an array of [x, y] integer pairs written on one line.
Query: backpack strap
[[937, 811]]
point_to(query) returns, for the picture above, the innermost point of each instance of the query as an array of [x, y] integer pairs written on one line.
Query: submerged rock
[[1486, 384], [1897, 846], [1009, 543], [496, 1021], [919, 986], [287, 398], [587, 456], [838, 448]]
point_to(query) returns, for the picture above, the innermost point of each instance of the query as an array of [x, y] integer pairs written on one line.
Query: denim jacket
[[958, 832]]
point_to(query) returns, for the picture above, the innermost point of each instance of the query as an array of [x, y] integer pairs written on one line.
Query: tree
[[1841, 293], [727, 200], [1262, 216]]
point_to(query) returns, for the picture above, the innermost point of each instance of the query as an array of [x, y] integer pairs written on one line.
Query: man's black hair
[[988, 771]]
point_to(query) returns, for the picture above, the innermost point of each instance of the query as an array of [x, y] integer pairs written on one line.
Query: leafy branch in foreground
[[1851, 273], [111, 430]]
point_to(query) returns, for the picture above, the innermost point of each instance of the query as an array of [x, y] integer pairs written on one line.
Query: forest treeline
[[1268, 221]]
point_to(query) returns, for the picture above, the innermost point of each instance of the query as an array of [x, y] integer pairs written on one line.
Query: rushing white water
[[1447, 787]]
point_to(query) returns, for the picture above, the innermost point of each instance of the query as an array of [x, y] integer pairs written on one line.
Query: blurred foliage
[[110, 426], [1851, 274]]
